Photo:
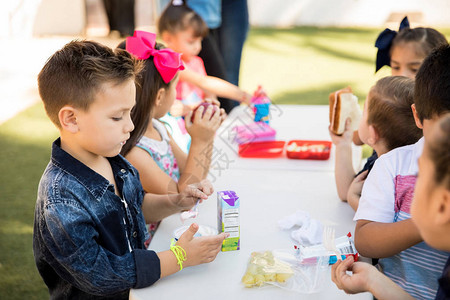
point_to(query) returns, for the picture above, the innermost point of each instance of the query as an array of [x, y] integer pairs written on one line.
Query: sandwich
[[343, 105]]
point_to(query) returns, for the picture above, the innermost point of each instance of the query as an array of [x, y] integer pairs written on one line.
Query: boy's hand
[[355, 189], [193, 193], [359, 281], [205, 125], [344, 139], [358, 182], [201, 249]]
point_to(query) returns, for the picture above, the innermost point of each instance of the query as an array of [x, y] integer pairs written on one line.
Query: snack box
[[267, 149], [254, 132], [302, 149], [228, 219]]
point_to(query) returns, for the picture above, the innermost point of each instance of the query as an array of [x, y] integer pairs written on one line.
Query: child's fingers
[[194, 191], [346, 264], [216, 120], [216, 245], [333, 272], [223, 236], [188, 235], [198, 113], [348, 124], [211, 242], [333, 136], [340, 271], [207, 187], [188, 118], [223, 114], [208, 113], [362, 176]]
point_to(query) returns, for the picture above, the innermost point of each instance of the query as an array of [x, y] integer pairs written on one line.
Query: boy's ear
[[160, 96], [416, 117], [443, 213], [68, 119], [373, 135]]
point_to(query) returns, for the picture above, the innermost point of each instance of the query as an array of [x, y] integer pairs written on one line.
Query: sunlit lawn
[[295, 66]]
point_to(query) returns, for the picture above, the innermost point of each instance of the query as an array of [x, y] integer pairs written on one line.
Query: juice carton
[[228, 219]]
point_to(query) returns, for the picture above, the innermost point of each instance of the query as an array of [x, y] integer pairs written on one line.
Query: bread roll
[[343, 105]]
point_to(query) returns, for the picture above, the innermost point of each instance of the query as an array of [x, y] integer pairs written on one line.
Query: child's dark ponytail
[[148, 83]]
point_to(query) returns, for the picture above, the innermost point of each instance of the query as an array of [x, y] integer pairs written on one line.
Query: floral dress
[[162, 154]]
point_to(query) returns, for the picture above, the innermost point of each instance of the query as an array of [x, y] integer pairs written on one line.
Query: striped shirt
[[386, 197]]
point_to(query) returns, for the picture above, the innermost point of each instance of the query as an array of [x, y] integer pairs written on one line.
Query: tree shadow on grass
[[312, 31], [314, 96], [306, 37]]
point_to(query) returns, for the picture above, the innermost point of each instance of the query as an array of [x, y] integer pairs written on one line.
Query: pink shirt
[[188, 93]]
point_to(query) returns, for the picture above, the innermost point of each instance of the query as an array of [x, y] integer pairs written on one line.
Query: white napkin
[[309, 235], [310, 231], [299, 218]]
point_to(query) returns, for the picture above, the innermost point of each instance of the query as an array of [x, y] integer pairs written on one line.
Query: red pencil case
[[267, 149], [303, 149]]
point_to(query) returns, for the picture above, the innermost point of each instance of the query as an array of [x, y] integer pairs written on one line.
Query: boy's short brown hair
[[74, 75], [177, 18], [390, 112], [432, 91]]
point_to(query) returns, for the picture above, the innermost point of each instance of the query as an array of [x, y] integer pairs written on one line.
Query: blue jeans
[[232, 35]]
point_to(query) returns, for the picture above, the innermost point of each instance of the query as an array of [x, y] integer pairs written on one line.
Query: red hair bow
[[167, 61]]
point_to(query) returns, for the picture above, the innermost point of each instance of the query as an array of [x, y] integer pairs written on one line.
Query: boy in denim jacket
[[91, 210]]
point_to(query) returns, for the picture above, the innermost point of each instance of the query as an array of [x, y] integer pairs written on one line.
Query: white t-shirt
[[386, 198], [378, 197]]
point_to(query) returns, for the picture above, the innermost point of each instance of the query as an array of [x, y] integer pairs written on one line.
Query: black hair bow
[[384, 43]]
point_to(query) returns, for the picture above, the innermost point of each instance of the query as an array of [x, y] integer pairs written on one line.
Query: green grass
[[24, 151], [295, 66], [303, 65]]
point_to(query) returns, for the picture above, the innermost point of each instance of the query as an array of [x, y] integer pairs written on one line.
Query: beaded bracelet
[[179, 252]]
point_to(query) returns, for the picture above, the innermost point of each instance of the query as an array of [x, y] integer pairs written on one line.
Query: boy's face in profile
[[105, 127], [426, 202]]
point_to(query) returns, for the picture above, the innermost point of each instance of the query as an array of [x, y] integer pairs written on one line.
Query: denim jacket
[[88, 243]]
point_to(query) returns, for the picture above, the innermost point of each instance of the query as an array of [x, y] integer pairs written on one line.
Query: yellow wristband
[[179, 252]]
